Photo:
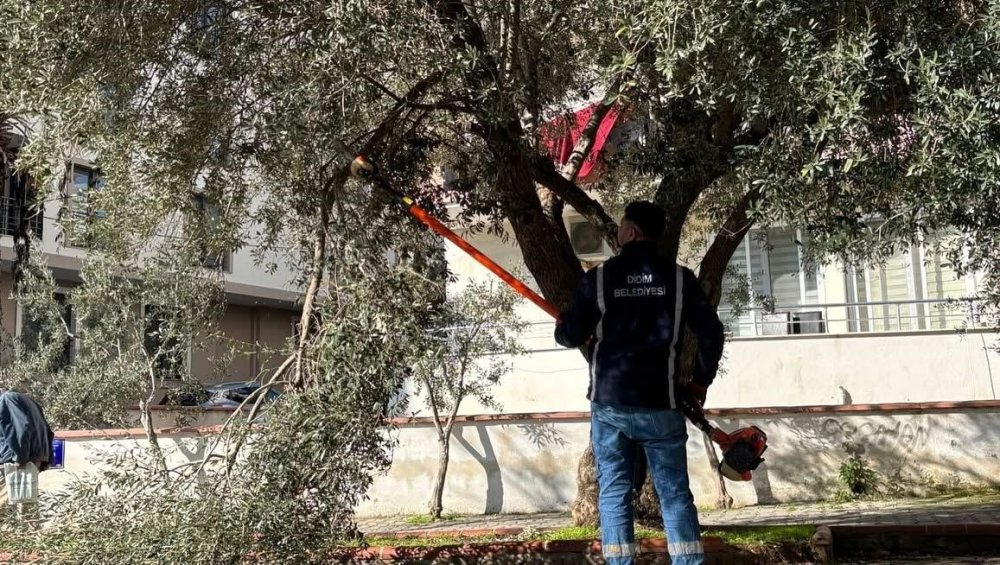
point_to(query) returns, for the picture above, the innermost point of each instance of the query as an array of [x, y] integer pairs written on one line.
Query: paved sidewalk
[[958, 510]]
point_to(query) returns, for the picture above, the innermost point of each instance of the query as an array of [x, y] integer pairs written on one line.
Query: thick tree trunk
[[536, 218], [437, 494]]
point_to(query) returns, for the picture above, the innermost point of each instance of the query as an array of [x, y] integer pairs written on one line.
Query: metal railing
[[829, 319], [10, 218], [855, 317]]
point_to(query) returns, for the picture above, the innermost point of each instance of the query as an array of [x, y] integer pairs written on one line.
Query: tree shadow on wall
[[541, 435], [488, 459]]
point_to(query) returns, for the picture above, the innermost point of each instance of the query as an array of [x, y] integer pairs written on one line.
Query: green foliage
[[290, 494], [857, 478], [471, 341], [866, 125], [115, 350]]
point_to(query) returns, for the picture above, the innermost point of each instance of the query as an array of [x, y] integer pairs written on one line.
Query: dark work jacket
[[25, 436], [637, 307]]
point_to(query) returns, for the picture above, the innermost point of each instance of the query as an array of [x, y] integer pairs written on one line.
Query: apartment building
[[261, 309]]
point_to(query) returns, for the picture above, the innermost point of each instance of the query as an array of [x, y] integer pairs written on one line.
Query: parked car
[[224, 395], [232, 395]]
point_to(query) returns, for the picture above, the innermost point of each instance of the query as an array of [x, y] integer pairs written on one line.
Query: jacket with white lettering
[[636, 308]]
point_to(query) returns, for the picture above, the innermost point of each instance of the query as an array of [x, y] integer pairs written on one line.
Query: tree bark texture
[[536, 218], [437, 494]]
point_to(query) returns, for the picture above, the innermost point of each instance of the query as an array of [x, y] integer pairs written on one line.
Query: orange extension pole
[[437, 227], [363, 168]]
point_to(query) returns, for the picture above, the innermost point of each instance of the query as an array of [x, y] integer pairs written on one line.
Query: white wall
[[778, 371], [530, 466], [244, 266], [872, 369]]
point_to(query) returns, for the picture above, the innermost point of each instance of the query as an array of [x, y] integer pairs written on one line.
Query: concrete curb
[[918, 530]]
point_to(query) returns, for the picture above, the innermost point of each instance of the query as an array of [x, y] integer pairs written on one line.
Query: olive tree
[[865, 124], [472, 338]]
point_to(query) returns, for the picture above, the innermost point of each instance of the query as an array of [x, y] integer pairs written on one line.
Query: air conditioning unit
[[587, 239]]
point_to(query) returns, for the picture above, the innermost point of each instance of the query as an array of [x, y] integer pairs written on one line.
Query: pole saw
[[741, 450]]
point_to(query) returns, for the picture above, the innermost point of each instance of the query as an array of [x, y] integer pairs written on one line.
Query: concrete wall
[[244, 265], [230, 358], [259, 335], [779, 371], [873, 368], [254, 341], [274, 329], [530, 466], [85, 454], [870, 368]]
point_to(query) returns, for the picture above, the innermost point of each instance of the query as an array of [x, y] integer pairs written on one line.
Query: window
[[211, 218], [79, 208], [917, 288], [163, 343], [769, 264], [18, 201], [39, 331]]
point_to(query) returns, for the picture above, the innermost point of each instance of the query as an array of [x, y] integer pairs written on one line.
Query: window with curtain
[[916, 289]]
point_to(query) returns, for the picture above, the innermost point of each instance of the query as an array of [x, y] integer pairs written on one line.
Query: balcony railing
[[856, 317], [10, 218]]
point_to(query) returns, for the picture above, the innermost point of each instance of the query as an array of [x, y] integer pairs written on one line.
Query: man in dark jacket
[[25, 437], [634, 310]]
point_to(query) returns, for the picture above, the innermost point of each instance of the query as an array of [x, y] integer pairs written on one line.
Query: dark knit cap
[[648, 217]]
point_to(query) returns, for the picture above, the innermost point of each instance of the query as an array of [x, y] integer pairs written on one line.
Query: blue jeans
[[616, 432]]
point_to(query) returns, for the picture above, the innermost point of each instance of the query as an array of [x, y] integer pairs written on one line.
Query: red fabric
[[560, 135]]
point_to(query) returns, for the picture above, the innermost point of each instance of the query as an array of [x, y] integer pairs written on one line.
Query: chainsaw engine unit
[[743, 455]]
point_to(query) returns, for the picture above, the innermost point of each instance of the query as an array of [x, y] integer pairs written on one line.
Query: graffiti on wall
[[900, 436]]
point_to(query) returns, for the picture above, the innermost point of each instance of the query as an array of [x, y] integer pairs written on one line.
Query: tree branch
[[544, 173], [415, 93], [315, 278], [586, 140], [432, 400], [731, 234], [409, 100]]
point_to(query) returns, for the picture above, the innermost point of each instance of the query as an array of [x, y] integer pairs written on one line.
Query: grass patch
[[589, 533], [763, 536], [418, 520], [431, 542], [562, 534], [570, 533], [425, 520], [741, 537]]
